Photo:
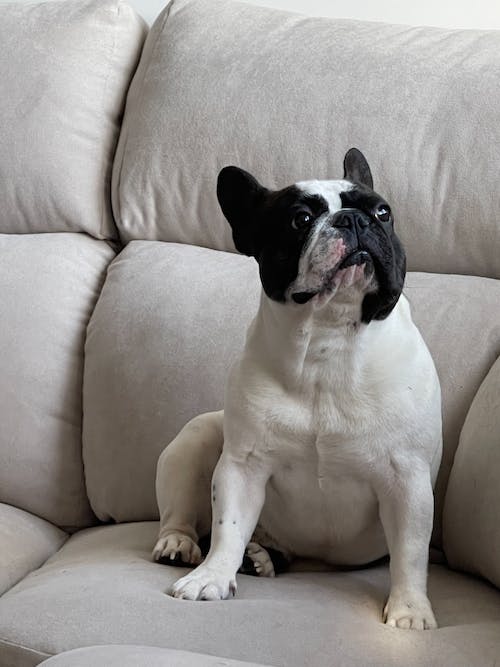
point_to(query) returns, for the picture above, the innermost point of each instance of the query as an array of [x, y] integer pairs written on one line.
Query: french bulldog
[[330, 439]]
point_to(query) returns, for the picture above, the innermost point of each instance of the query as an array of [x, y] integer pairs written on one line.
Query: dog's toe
[[409, 612], [177, 549], [204, 583], [257, 561]]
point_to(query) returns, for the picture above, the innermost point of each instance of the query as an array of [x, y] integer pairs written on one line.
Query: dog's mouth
[[355, 258]]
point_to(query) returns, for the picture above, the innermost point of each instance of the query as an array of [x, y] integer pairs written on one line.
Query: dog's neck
[[295, 342]]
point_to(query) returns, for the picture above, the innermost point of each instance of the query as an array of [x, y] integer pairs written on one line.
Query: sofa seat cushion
[[49, 284], [26, 541], [65, 70], [139, 656], [102, 587], [170, 320]]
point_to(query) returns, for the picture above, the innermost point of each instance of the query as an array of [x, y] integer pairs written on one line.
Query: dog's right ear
[[240, 196]]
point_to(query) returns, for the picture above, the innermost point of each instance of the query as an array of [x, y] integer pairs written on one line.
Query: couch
[[123, 303]]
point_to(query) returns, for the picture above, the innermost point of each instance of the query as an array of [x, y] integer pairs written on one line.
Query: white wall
[[448, 13]]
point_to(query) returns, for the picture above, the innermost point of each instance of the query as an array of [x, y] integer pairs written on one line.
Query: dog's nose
[[351, 218]]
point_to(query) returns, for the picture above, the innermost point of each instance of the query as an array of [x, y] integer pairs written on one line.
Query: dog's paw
[[257, 561], [409, 611], [204, 583], [177, 549]]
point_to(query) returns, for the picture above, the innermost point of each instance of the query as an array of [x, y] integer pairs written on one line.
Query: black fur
[[385, 249], [261, 221]]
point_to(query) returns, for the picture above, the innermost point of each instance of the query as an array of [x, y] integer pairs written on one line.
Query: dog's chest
[[322, 440]]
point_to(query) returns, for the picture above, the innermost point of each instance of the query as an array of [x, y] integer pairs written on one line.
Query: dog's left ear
[[240, 196], [356, 168], [378, 305]]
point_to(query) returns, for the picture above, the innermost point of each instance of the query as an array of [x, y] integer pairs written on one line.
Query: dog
[[330, 440]]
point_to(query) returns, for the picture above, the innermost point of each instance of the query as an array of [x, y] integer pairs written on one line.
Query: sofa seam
[[126, 133], [101, 287], [105, 175]]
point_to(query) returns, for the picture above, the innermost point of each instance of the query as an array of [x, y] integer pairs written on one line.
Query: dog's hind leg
[[263, 557], [183, 479]]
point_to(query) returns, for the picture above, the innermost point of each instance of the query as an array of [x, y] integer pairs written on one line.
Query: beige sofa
[[123, 303]]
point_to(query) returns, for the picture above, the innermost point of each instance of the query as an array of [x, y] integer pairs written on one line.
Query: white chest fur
[[331, 408]]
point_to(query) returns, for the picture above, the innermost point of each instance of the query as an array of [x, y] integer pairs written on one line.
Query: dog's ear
[[378, 305], [356, 168], [240, 196]]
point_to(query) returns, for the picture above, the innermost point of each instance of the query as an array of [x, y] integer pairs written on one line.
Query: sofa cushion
[[139, 656], [284, 96], [169, 322], [460, 322], [470, 522], [25, 543], [49, 285], [65, 69], [102, 587]]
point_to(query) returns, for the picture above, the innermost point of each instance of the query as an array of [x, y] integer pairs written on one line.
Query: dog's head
[[316, 238]]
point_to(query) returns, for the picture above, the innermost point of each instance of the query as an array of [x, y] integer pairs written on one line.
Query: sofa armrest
[[471, 529]]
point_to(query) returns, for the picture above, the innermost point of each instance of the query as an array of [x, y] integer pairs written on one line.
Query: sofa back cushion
[[284, 96], [49, 286], [65, 68]]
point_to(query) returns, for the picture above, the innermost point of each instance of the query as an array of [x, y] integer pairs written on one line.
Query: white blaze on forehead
[[329, 190]]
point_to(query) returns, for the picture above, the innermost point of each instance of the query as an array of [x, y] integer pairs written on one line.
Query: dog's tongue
[[303, 297]]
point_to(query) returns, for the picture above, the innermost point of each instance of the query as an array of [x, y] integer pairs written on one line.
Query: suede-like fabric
[[65, 70], [169, 322], [472, 508], [49, 284], [171, 319], [459, 318], [26, 541], [284, 96], [103, 588], [139, 656]]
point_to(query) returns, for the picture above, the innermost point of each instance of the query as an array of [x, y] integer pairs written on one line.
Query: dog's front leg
[[406, 512], [238, 491]]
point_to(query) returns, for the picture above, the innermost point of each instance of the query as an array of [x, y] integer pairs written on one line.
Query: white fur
[[329, 190], [330, 441]]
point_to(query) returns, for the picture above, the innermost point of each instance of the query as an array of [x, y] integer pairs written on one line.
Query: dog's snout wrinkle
[[350, 218]]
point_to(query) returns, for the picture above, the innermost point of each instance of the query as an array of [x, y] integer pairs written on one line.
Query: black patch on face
[[262, 223], [386, 251], [280, 245]]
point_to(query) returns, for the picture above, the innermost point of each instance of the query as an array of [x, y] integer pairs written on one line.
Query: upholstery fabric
[[460, 322], [139, 656], [65, 69], [284, 96], [102, 587], [471, 527], [169, 322], [25, 543], [49, 285]]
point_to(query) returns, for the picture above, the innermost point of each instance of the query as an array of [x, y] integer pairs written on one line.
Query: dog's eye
[[383, 213], [301, 220]]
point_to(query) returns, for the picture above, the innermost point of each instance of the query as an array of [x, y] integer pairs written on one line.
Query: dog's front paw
[[204, 583], [177, 549], [409, 611]]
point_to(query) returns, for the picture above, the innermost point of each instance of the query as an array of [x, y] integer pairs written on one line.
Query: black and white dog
[[330, 440]]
